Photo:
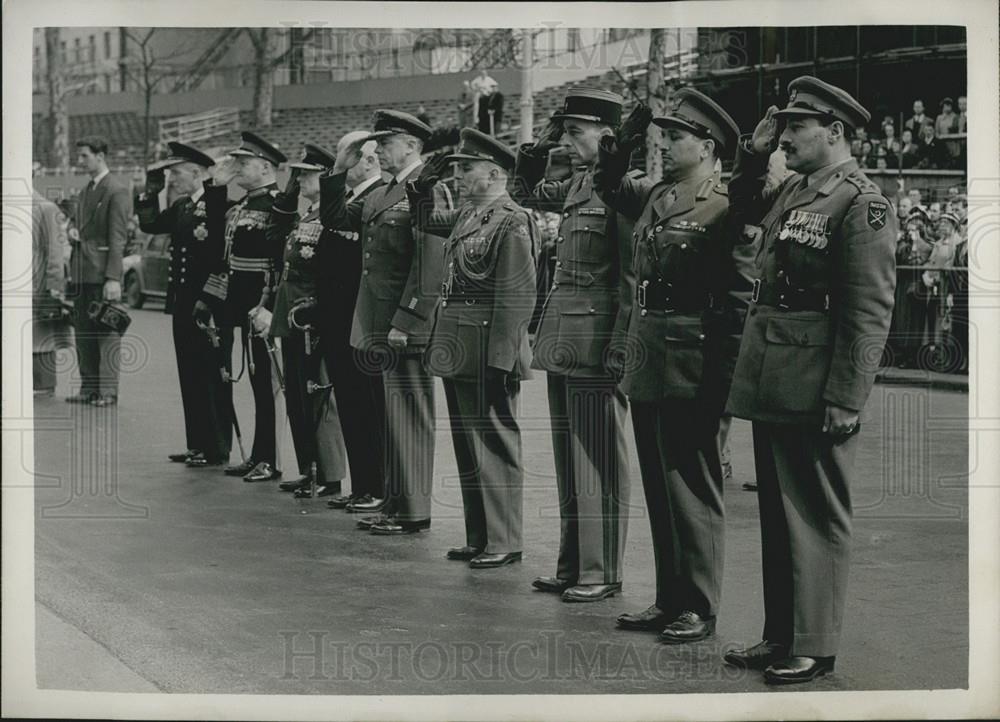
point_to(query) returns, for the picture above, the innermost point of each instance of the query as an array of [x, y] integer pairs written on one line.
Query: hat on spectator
[[951, 218], [475, 145], [811, 97], [314, 158], [696, 112], [921, 212], [946, 101], [593, 104], [254, 145], [391, 122], [181, 153]]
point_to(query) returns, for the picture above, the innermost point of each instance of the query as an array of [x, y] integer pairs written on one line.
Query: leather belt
[[580, 278], [789, 298], [657, 295]]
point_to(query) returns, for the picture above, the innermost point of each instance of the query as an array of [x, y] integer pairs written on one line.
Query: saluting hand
[[348, 156], [765, 135], [156, 181], [432, 171], [549, 137], [633, 130]]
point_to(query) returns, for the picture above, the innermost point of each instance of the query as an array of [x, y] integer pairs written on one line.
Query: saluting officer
[[676, 373], [479, 345], [244, 262], [291, 313], [400, 285], [579, 342], [814, 334], [205, 396]]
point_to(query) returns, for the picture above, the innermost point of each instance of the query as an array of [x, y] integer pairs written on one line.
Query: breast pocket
[[590, 242], [395, 234], [796, 364], [679, 251]]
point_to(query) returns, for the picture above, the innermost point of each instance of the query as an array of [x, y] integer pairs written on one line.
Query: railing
[[200, 126]]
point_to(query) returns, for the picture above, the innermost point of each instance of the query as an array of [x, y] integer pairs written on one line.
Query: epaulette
[[636, 173], [863, 183]]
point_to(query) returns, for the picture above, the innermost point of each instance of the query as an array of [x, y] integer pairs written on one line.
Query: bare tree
[[60, 86], [149, 67], [656, 98], [267, 59]]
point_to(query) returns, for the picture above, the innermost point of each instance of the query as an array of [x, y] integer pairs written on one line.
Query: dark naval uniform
[[295, 320], [579, 342], [206, 397], [488, 294], [244, 262], [400, 285], [676, 373], [357, 386], [813, 337]]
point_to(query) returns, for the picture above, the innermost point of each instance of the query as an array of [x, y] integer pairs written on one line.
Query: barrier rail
[[200, 126]]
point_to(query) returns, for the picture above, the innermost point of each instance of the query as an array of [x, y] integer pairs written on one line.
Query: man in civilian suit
[[102, 218]]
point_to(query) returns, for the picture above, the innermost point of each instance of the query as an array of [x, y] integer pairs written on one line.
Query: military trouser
[[488, 451], [409, 439], [303, 408], [591, 457], [803, 479], [261, 381], [676, 440]]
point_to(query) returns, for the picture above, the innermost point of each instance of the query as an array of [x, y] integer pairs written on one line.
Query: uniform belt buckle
[[641, 294], [756, 290], [470, 302]]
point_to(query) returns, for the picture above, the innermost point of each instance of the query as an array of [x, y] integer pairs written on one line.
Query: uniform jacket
[[400, 268], [102, 221], [191, 252], [298, 272], [835, 237], [245, 258], [488, 291], [677, 332], [583, 320]]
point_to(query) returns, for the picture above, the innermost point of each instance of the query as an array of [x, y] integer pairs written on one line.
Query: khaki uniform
[[813, 336], [676, 375], [488, 295], [580, 334], [400, 286]]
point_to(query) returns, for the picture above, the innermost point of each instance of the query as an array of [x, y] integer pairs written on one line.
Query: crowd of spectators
[[923, 142]]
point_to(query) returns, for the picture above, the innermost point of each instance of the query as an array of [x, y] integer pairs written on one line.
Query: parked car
[[145, 272]]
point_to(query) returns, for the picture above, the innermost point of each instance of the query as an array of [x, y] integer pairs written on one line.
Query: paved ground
[[153, 576]]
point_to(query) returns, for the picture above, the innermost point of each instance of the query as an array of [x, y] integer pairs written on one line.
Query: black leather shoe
[[758, 656], [321, 490], [102, 400], [81, 398], [651, 620], [368, 522], [489, 561], [366, 505], [793, 670], [340, 501], [299, 482], [552, 584], [181, 458], [464, 554], [749, 486], [688, 627], [591, 592], [240, 469], [199, 461], [395, 527], [263, 472]]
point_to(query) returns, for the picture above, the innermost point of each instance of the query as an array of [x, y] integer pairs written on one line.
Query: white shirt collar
[[363, 185], [197, 194], [99, 177], [401, 176]]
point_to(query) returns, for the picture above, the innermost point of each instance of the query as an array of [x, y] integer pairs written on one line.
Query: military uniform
[[244, 263], [294, 320], [488, 294], [579, 338], [813, 337], [206, 397], [676, 372], [400, 284]]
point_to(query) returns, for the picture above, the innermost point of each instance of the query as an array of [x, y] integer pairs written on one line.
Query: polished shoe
[[395, 527], [199, 461], [463, 554], [366, 504], [552, 584], [264, 471], [240, 469], [181, 458], [322, 489], [489, 561], [688, 627], [368, 522], [299, 482], [340, 501], [81, 398], [651, 620], [792, 670], [758, 656], [591, 592], [101, 400]]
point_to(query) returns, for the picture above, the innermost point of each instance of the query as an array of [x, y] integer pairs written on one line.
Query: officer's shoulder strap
[[863, 183], [721, 188], [636, 174]]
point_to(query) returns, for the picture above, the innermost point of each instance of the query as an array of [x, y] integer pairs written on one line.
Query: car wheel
[[133, 290]]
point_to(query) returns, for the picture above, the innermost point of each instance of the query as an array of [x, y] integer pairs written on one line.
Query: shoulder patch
[[877, 211]]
